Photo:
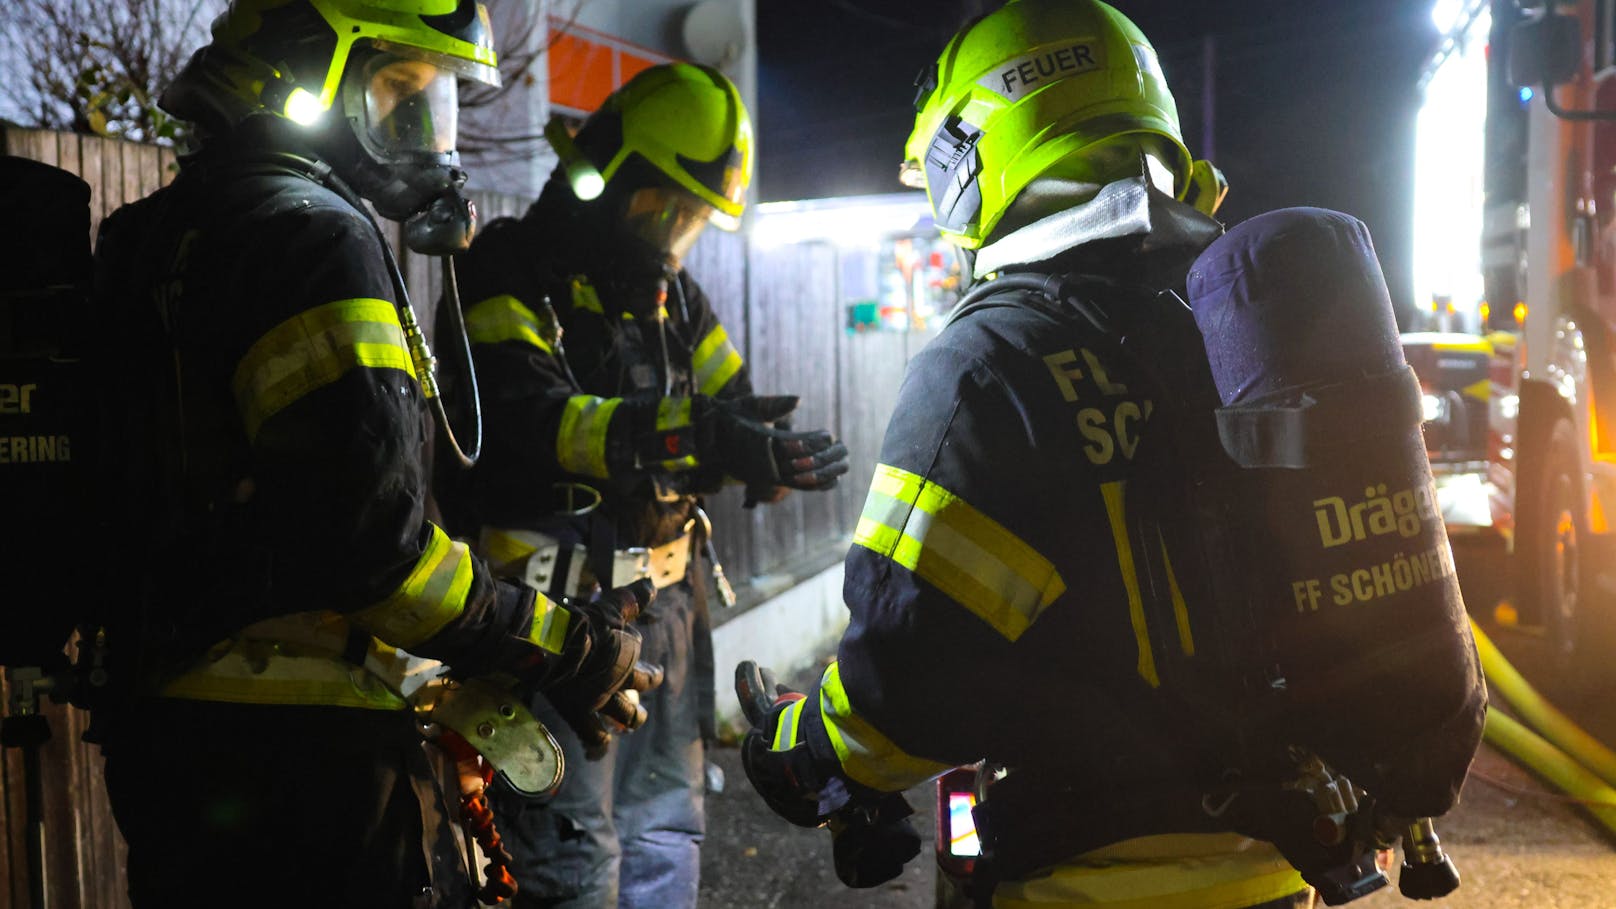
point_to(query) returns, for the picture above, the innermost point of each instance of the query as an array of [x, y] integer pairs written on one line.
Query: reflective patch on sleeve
[[715, 361], [584, 296], [313, 349], [581, 442], [672, 413], [957, 549], [787, 734], [864, 753], [504, 318], [550, 623], [672, 416], [431, 597]]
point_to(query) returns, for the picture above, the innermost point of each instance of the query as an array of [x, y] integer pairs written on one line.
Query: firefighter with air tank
[[275, 557], [1144, 707]]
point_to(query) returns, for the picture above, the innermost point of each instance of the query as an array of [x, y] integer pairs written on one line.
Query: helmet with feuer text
[[1058, 88]]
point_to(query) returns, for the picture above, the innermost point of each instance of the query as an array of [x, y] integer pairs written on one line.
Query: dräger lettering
[[1025, 74], [1403, 512], [35, 449]]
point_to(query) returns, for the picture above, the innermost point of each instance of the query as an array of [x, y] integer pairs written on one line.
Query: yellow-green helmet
[[1024, 90], [289, 56], [688, 123]]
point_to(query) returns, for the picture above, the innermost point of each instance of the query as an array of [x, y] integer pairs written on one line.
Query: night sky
[[1314, 100]]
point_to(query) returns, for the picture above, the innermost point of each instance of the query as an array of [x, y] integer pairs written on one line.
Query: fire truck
[[1515, 266]]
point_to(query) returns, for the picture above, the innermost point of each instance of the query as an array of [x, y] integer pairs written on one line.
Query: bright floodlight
[[1445, 14]]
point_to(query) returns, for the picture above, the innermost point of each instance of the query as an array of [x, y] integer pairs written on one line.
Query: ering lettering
[[35, 449]]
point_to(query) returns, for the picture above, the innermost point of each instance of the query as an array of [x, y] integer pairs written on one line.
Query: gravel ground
[[1517, 845]]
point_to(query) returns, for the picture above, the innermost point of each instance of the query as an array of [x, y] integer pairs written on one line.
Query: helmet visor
[[667, 220], [411, 107]]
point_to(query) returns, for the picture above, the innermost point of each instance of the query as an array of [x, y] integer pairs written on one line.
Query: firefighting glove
[[735, 434], [596, 680], [871, 835], [870, 843], [781, 768]]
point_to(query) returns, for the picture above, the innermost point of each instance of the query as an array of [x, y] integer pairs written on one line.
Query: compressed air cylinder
[[1335, 550], [46, 406]]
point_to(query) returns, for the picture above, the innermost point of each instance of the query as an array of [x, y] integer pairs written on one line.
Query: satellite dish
[[714, 33]]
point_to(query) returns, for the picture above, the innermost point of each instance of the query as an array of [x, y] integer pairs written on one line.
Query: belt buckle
[[631, 565]]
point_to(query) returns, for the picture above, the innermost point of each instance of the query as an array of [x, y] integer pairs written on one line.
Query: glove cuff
[[658, 434]]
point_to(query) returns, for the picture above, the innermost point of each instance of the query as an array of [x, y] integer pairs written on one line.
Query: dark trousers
[[624, 831], [246, 805]]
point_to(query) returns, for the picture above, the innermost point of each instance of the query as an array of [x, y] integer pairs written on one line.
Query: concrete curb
[[786, 633]]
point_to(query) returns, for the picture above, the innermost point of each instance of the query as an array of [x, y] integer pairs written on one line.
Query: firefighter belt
[[543, 563], [320, 659]]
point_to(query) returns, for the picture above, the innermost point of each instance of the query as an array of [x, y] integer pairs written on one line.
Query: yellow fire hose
[[1566, 756]]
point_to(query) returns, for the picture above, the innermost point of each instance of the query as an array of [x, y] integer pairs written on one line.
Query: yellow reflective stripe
[[1232, 881], [501, 548], [1181, 612], [431, 597], [672, 413], [688, 462], [550, 623], [786, 734], [584, 296], [313, 349], [1115, 508], [581, 441], [504, 318], [863, 752], [715, 361], [242, 676], [957, 549]]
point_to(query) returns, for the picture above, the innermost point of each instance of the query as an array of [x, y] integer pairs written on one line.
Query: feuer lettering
[[1021, 76]]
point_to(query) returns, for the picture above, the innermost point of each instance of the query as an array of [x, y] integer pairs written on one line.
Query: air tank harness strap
[[474, 775]]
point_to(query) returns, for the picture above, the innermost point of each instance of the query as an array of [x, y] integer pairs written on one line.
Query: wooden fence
[[785, 308]]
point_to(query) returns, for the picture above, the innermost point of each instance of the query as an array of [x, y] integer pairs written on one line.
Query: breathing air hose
[[1559, 750], [426, 365]]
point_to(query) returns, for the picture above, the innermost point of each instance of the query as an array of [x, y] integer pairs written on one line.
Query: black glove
[[871, 835], [735, 433], [870, 843], [785, 777], [597, 677]]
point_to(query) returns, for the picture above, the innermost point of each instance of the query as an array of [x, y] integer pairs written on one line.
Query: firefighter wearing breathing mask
[[601, 359], [996, 612], [278, 555]]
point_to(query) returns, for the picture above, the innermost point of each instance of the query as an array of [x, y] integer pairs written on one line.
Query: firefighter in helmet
[[995, 614], [603, 360], [278, 558]]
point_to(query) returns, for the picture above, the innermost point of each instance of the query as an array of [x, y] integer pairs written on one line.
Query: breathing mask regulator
[[648, 221]]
